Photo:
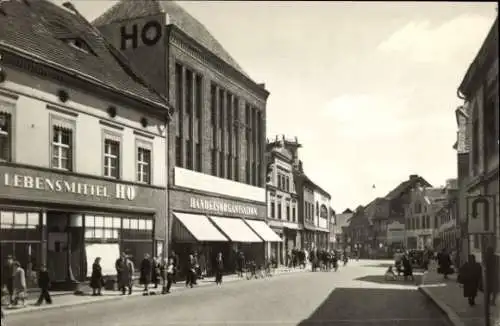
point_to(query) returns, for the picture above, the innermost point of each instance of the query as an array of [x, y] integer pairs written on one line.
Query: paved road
[[354, 296]]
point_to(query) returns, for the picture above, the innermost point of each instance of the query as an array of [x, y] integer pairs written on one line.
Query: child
[[390, 275], [44, 285]]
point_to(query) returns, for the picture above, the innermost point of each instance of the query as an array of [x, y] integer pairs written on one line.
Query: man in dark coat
[[146, 273], [492, 275], [175, 260], [125, 272], [444, 262], [470, 276], [44, 285]]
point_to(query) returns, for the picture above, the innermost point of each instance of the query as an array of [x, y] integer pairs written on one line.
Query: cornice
[[189, 45], [16, 61]]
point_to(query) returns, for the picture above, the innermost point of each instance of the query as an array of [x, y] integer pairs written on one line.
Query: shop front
[[208, 224], [64, 221]]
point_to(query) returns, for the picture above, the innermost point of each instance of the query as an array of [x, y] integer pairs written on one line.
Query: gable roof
[[342, 220], [36, 30], [405, 185], [178, 16]]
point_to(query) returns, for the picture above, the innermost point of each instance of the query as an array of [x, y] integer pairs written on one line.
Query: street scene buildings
[[133, 143]]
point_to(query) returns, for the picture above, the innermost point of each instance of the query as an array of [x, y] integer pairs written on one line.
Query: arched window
[[323, 212]]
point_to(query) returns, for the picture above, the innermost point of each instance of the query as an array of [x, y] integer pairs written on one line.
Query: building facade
[[479, 89], [314, 210], [83, 145], [421, 217], [462, 146], [218, 138], [321, 218], [338, 227], [282, 197]]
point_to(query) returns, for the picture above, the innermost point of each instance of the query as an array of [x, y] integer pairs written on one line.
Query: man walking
[[44, 285]]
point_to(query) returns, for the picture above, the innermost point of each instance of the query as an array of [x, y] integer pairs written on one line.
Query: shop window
[[143, 165], [62, 148], [19, 226], [111, 158], [5, 137]]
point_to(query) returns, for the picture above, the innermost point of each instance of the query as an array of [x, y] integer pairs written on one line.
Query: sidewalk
[[67, 299], [448, 296]]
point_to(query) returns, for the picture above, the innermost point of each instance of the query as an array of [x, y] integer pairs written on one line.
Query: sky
[[368, 88]]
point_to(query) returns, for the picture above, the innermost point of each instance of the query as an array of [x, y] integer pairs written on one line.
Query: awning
[[264, 231], [200, 227], [235, 229]]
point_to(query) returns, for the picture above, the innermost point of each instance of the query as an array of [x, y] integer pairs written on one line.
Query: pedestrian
[[444, 262], [241, 263], [96, 279], [125, 271], [407, 267], [491, 275], [19, 284], [191, 271], [146, 273], [44, 285], [169, 273], [469, 276], [175, 259], [155, 277], [202, 261], [219, 268], [8, 278]]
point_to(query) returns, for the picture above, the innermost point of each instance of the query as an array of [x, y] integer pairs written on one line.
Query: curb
[[452, 317], [32, 309]]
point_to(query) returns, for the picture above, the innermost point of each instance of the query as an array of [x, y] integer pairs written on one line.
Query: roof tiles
[[37, 30]]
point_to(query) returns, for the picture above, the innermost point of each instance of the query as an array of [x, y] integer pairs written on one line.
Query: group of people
[[326, 260], [402, 265]]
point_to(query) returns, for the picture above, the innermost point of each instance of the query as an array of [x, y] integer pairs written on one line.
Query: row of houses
[[416, 215], [139, 133]]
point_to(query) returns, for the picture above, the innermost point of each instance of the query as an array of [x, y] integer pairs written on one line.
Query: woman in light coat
[[19, 284]]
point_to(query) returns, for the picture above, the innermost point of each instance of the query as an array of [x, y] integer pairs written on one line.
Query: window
[[5, 137], [428, 221], [317, 209], [199, 96], [198, 157], [214, 162], [287, 211], [279, 210], [178, 151], [236, 169], [213, 105], [111, 158], [287, 184], [229, 169], [189, 155], [475, 145], [143, 165], [62, 140], [490, 127], [294, 214], [273, 210], [221, 165]]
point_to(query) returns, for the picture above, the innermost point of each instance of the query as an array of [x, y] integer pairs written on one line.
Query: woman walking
[[96, 280]]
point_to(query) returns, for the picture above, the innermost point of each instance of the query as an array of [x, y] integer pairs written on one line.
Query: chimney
[[413, 176], [263, 85]]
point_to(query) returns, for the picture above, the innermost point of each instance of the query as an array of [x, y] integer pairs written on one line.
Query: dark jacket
[[43, 280], [96, 277], [146, 271], [470, 276]]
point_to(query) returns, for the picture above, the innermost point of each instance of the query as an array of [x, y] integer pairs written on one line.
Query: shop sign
[[222, 207], [117, 191]]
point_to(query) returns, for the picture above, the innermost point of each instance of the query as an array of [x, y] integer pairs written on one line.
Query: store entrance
[[64, 249]]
